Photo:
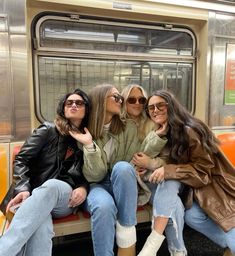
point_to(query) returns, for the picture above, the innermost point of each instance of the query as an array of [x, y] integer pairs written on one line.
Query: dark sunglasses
[[78, 103], [117, 98], [133, 100], [160, 106]]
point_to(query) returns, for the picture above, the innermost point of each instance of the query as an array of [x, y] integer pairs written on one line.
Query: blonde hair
[[145, 125], [98, 96]]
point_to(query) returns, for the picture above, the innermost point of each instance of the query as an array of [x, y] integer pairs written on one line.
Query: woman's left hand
[[78, 196], [157, 176]]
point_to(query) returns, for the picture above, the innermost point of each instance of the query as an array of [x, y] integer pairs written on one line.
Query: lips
[[73, 110]]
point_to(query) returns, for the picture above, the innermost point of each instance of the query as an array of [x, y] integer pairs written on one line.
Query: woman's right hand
[[18, 199], [141, 160], [83, 138]]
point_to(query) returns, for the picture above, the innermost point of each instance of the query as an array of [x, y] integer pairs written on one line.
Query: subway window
[[71, 52]]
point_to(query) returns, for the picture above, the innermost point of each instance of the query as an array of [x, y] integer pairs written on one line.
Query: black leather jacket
[[45, 155]]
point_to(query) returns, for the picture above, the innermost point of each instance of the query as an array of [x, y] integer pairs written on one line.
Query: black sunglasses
[[133, 100], [78, 103], [117, 98]]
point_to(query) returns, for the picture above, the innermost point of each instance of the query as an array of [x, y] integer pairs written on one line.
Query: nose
[[74, 104]]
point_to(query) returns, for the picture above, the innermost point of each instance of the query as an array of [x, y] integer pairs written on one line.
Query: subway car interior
[[51, 47]]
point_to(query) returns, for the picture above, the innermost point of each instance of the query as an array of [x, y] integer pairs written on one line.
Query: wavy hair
[[62, 123], [98, 96], [145, 125], [178, 120]]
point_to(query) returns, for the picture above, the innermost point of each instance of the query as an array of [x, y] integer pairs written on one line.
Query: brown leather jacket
[[212, 178]]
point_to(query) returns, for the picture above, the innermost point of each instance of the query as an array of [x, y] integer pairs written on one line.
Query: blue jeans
[[197, 219], [31, 229], [114, 198], [167, 203]]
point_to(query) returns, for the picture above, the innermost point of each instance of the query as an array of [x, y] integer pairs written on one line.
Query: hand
[[141, 171], [83, 138], [157, 176], [18, 199], [162, 129], [78, 196], [141, 160]]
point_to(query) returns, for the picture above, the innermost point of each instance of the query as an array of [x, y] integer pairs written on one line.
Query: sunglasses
[[133, 100], [78, 103], [161, 106], [117, 98]]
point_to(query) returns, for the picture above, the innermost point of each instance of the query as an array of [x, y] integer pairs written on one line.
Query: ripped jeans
[[167, 203]]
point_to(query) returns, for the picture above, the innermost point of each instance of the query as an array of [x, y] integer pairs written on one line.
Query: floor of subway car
[[81, 245]]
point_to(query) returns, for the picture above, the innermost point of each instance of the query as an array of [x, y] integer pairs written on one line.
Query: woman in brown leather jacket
[[48, 180], [193, 157]]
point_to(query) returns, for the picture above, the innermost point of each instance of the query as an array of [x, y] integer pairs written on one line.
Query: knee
[[54, 187], [124, 170]]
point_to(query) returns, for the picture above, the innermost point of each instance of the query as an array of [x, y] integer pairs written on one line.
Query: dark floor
[[81, 245]]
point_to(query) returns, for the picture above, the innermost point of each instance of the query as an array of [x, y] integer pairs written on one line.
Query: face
[[157, 108], [113, 102], [74, 109], [135, 103]]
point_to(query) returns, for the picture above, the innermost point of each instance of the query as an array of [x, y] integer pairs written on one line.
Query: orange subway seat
[[3, 172], [227, 145]]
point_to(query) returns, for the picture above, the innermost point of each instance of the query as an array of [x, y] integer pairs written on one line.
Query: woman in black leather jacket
[[48, 180]]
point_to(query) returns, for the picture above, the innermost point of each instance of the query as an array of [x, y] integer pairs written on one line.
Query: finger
[[86, 130], [10, 204]]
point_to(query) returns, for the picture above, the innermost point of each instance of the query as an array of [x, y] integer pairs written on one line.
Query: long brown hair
[[178, 120], [98, 96]]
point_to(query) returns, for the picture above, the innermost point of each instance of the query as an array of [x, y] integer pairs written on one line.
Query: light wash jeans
[[197, 219], [167, 203], [31, 230], [115, 198]]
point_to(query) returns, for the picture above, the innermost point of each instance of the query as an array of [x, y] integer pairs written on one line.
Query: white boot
[[178, 254], [152, 244]]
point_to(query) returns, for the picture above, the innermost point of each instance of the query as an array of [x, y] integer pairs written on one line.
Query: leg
[[197, 219], [124, 185], [103, 212], [168, 214], [41, 240], [33, 213]]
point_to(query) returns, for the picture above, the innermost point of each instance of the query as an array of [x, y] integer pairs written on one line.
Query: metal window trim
[[113, 23]]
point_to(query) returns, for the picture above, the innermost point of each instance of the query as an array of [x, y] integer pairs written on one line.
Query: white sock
[[125, 235]]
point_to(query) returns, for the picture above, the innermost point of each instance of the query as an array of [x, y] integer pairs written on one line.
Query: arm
[[94, 167], [28, 152], [197, 172], [151, 147]]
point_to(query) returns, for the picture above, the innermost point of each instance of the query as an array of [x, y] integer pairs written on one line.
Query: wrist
[[90, 146]]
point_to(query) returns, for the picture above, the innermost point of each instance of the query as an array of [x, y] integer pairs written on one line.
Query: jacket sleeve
[[95, 167], [28, 152], [76, 178], [153, 144], [197, 172]]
